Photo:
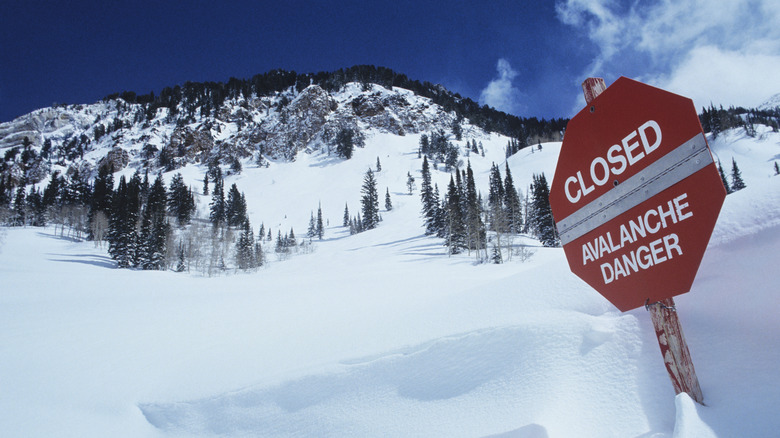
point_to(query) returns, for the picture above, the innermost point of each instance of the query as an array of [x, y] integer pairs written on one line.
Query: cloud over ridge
[[500, 93]]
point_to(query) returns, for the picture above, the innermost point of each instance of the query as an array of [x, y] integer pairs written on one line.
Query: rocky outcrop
[[115, 160], [191, 145], [297, 124]]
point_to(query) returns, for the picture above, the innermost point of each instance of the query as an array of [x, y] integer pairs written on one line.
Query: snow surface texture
[[382, 334]]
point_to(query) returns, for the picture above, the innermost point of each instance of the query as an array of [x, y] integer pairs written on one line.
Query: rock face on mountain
[[119, 134], [115, 160]]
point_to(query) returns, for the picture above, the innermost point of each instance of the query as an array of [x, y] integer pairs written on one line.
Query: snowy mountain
[[380, 333], [270, 117]]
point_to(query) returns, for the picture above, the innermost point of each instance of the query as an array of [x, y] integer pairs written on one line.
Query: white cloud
[[500, 93], [721, 51]]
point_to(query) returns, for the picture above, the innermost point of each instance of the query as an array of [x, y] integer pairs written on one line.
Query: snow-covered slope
[[381, 333]]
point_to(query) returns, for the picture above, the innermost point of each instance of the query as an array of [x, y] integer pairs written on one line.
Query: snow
[[381, 333]]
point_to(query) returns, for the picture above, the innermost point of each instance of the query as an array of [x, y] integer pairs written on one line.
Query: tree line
[[209, 97]]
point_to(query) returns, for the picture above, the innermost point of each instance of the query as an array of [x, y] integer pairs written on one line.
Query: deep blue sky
[[79, 52]]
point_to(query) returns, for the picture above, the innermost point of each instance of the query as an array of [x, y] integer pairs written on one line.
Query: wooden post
[[667, 326], [674, 349]]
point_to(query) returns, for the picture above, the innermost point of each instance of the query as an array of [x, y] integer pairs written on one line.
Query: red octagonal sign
[[636, 194]]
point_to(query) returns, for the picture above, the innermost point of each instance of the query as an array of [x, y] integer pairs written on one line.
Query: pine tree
[[312, 230], [102, 193], [153, 236], [545, 225], [245, 248], [235, 207], [281, 243], [430, 205], [456, 232], [181, 266], [20, 207], [723, 178], [217, 212], [320, 225], [388, 201], [495, 255], [475, 228], [346, 221], [344, 143], [409, 182], [777, 169], [206, 184], [181, 202], [122, 236], [512, 204], [370, 201], [439, 213], [259, 254], [424, 146], [36, 209], [378, 165], [496, 192], [737, 183]]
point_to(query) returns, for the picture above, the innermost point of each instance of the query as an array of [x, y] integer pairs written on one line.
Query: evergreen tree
[[20, 208], [102, 194], [475, 228], [777, 169], [245, 248], [157, 198], [281, 243], [155, 230], [388, 201], [439, 213], [312, 231], [359, 224], [429, 204], [259, 254], [496, 194], [53, 191], [320, 226], [181, 202], [512, 204], [496, 256], [736, 177], [409, 182], [424, 146], [181, 266], [235, 207], [456, 232], [723, 178], [370, 201], [122, 237], [378, 165], [36, 208], [346, 222], [218, 210], [344, 143], [545, 225], [206, 184]]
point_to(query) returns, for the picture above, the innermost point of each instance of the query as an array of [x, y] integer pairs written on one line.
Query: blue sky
[[526, 58]]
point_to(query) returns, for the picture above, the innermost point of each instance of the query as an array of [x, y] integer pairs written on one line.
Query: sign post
[[635, 197]]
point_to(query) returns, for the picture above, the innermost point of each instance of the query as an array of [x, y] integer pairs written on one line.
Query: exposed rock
[[115, 160], [297, 124], [82, 168], [191, 145]]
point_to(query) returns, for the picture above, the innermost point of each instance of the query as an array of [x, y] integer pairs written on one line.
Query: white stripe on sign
[[680, 163]]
